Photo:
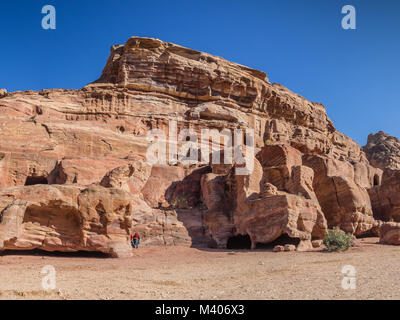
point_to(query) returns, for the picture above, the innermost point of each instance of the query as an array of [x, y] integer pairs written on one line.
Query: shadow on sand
[[43, 253]]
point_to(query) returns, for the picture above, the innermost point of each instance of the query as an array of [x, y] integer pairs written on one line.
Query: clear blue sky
[[300, 44]]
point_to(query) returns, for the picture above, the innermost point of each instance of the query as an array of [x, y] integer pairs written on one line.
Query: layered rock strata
[[62, 151]]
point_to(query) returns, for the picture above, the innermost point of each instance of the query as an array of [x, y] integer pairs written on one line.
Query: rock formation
[[383, 150], [389, 233], [74, 173], [66, 218]]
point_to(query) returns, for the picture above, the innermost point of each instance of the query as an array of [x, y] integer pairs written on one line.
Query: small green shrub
[[180, 202], [267, 142], [336, 240]]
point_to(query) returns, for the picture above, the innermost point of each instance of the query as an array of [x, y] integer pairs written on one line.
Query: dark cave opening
[[281, 241], [32, 180], [239, 242], [376, 180], [244, 242]]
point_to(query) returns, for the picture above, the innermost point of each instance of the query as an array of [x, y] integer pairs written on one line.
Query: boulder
[[389, 233], [277, 162], [278, 248], [290, 247], [304, 245], [66, 218], [317, 243]]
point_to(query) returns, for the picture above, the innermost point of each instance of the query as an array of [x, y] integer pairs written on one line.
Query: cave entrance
[[281, 241], [32, 180], [239, 242], [376, 180]]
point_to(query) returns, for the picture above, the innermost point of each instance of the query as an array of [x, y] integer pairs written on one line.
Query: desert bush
[[268, 142], [337, 240], [180, 202]]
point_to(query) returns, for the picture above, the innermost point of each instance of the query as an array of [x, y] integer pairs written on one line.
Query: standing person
[[135, 240]]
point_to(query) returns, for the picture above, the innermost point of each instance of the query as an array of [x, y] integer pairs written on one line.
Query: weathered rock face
[[249, 205], [385, 198], [219, 203], [383, 150], [345, 203], [389, 233], [221, 94], [66, 218], [62, 151]]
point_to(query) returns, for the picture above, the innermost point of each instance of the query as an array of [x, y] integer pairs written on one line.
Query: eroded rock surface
[[66, 154], [389, 233], [383, 150], [66, 218]]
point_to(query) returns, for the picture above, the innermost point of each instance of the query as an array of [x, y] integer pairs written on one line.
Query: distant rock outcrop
[[383, 150]]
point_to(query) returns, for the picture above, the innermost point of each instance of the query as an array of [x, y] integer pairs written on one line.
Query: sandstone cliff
[[383, 150], [90, 146]]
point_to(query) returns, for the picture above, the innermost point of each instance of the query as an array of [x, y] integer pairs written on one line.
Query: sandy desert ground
[[189, 273]]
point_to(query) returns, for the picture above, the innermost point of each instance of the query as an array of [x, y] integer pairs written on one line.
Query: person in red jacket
[[135, 240]]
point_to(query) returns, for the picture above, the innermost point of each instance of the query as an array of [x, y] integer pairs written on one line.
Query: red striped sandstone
[[310, 175]]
